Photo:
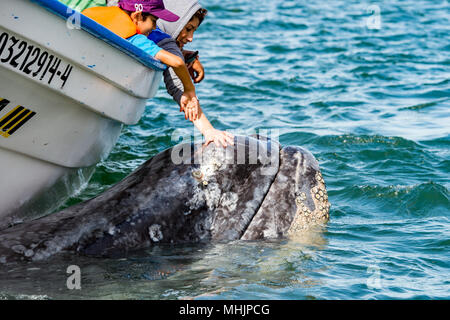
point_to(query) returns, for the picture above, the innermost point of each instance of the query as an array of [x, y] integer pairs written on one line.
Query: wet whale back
[[160, 202]]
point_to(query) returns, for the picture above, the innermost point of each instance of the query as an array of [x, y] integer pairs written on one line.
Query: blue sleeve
[[141, 41], [157, 35]]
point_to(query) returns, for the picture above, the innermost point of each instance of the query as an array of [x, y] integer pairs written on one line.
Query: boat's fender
[[114, 19]]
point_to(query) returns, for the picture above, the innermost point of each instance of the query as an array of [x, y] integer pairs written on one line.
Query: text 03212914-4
[[32, 60]]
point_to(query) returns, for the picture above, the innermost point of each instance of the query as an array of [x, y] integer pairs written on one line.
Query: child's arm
[[189, 102], [212, 135]]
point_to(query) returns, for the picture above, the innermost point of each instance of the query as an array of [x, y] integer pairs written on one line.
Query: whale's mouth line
[[269, 142]]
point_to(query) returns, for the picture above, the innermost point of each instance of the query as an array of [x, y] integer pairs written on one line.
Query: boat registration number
[[33, 61]]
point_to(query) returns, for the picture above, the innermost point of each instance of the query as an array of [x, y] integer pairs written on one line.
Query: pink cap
[[155, 7]]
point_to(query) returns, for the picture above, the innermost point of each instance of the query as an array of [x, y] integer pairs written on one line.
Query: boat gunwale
[[102, 33]]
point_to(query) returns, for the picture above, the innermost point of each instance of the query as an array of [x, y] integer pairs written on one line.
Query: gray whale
[[253, 190]]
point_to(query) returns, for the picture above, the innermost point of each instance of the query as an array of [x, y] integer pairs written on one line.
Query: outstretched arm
[[212, 135], [188, 100], [175, 89]]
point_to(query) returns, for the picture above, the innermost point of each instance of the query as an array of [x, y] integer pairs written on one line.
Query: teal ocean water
[[365, 86]]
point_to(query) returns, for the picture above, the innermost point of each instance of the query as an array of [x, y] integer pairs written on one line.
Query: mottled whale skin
[[252, 190]]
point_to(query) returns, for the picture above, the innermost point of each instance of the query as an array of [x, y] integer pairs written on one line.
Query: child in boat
[[134, 20], [172, 36]]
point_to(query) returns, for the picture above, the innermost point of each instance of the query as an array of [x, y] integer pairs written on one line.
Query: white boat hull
[[64, 96]]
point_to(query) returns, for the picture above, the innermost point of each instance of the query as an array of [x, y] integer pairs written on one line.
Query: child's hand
[[190, 105], [195, 67], [191, 111], [219, 138], [196, 71]]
